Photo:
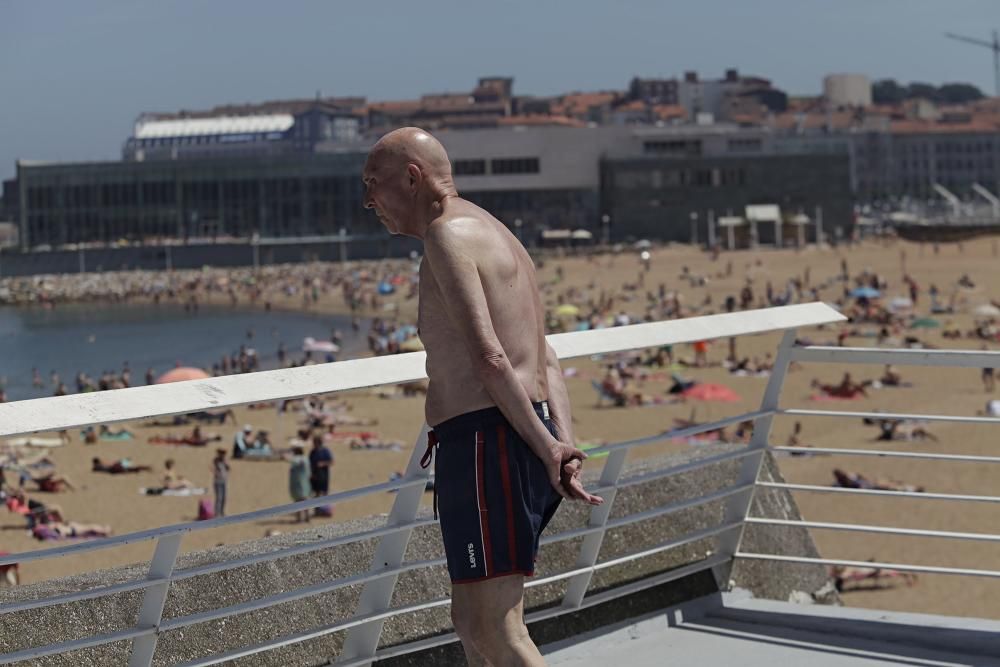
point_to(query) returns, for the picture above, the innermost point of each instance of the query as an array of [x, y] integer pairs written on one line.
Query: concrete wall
[[37, 627], [195, 256]]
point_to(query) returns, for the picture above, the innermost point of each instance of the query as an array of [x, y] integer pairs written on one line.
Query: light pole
[[606, 228], [517, 228], [694, 228], [255, 242]]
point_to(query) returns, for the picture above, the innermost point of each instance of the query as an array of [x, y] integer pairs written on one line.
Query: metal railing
[[920, 357], [363, 628]]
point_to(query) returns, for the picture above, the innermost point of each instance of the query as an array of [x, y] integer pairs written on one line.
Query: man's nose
[[369, 201]]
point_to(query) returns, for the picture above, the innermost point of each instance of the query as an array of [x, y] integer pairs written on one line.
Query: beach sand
[[254, 485]]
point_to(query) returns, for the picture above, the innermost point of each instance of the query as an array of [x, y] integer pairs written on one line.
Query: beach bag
[[324, 510], [205, 510]]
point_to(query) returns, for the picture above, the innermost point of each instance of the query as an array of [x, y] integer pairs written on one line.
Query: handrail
[[106, 407]]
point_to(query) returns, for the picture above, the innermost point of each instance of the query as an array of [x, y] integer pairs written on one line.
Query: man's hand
[[563, 463], [571, 472]]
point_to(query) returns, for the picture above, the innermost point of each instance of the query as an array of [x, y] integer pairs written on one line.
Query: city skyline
[[69, 94]]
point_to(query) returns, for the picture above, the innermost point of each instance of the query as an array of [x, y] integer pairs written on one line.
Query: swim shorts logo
[[472, 555]]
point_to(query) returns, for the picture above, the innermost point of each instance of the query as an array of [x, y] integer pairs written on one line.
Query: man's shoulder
[[464, 225]]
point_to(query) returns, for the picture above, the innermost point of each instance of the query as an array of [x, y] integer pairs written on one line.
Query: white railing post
[[738, 506], [591, 546], [151, 612], [362, 640]]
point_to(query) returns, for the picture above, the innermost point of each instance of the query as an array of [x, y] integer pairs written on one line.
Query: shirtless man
[[496, 398]]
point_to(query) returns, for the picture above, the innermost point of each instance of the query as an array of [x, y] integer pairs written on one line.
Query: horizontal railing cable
[[888, 454], [683, 432], [646, 515], [875, 565], [882, 530], [73, 645], [904, 416], [152, 533], [879, 492], [697, 464], [903, 357]]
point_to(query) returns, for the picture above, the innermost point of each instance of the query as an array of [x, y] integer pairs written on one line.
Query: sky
[[75, 75]]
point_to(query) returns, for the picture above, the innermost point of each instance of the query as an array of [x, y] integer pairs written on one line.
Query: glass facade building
[[282, 196]]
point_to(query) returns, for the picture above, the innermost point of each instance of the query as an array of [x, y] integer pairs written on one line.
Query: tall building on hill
[[847, 90]]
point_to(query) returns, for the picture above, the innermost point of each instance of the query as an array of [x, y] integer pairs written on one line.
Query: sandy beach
[[704, 284]]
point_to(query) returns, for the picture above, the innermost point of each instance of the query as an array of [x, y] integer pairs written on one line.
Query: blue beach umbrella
[[865, 293]]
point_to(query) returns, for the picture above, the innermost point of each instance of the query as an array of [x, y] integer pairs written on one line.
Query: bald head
[[411, 145]]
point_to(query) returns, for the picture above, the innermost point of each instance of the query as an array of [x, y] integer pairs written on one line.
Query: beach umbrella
[[310, 344], [709, 391], [900, 303], [411, 345], [385, 288], [925, 323], [182, 374], [986, 310], [865, 293], [568, 310]]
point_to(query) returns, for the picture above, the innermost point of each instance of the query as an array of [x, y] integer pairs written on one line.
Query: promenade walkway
[[736, 630]]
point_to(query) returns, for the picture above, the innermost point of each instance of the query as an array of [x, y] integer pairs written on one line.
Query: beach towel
[[831, 397], [160, 491], [36, 442], [205, 510], [43, 532], [125, 435]]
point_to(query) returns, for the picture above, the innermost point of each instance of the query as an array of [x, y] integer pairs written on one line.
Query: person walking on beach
[[320, 462], [298, 481], [496, 398], [220, 480]]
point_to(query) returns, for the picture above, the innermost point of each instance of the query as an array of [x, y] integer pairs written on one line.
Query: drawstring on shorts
[[425, 461]]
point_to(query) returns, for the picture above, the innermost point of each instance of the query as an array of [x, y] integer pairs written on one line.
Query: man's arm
[[559, 407]]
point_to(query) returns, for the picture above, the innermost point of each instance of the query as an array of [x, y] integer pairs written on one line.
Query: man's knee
[[487, 628]]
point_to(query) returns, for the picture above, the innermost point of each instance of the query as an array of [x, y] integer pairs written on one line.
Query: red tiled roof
[[540, 119], [634, 105], [669, 111], [928, 127]]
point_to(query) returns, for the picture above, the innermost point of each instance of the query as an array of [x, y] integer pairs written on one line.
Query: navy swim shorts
[[494, 496]]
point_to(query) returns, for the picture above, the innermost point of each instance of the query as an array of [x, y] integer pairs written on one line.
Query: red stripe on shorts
[[508, 495], [484, 522]]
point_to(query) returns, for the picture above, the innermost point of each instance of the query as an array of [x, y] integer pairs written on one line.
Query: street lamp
[[694, 228], [517, 228], [606, 228]]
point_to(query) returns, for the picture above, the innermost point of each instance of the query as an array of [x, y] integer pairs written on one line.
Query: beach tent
[[767, 213], [730, 222], [986, 310], [310, 344], [708, 391], [182, 374]]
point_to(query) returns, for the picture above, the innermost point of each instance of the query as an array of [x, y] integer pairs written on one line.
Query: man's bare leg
[[489, 619]]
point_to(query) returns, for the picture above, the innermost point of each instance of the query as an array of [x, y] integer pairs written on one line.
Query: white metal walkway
[[740, 631]]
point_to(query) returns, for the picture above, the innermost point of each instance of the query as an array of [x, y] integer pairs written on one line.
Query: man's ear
[[416, 176]]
